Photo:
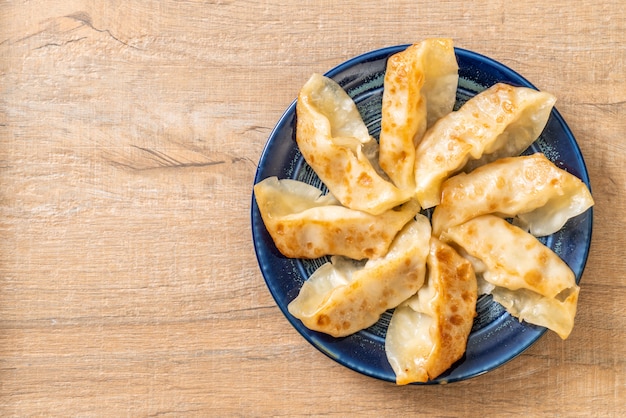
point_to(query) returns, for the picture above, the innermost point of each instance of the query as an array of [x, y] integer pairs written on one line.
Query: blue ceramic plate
[[496, 337]]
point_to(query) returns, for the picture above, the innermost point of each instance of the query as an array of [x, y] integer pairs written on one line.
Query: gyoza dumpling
[[429, 331], [343, 296], [499, 122], [556, 313], [305, 224], [528, 278], [420, 87], [532, 188], [331, 136]]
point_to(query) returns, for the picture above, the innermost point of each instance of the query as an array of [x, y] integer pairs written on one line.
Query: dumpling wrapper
[[342, 297], [501, 121], [528, 278], [420, 87], [333, 138], [556, 314], [429, 332], [532, 188], [303, 223]]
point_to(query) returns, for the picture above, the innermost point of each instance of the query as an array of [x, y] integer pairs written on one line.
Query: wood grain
[[129, 137]]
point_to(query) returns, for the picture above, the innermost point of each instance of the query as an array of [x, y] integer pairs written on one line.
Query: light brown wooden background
[[129, 137]]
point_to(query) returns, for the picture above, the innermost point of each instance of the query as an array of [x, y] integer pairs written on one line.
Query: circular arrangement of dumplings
[[384, 253]]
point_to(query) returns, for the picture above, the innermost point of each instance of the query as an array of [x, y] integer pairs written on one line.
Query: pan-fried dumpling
[[542, 195], [420, 87], [499, 122], [305, 224], [528, 278], [556, 313], [343, 296], [332, 136], [429, 331]]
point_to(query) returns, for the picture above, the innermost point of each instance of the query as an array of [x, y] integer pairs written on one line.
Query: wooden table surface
[[130, 133]]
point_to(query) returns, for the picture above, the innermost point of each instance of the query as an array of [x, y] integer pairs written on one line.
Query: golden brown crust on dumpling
[[531, 281], [456, 308], [304, 224], [499, 122], [420, 87], [341, 298], [403, 116], [429, 332], [532, 187], [511, 257], [331, 135]]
